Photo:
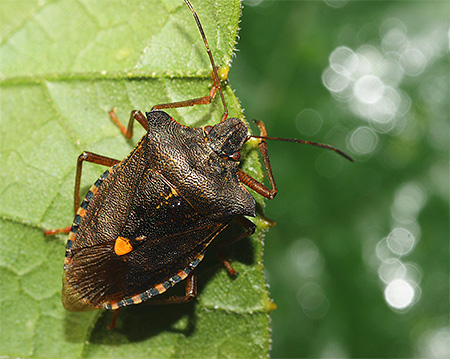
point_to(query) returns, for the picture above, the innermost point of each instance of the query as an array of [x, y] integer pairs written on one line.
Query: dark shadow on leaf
[[140, 322], [240, 251]]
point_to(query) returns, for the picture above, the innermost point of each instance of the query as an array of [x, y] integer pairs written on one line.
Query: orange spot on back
[[122, 246]]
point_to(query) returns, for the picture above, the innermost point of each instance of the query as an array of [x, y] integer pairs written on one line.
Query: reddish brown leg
[[112, 325], [51, 232], [89, 157], [250, 229], [250, 181], [205, 100], [195, 101], [135, 115], [139, 116]]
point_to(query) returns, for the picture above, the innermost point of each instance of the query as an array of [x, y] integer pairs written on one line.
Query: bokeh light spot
[[385, 109], [382, 250], [344, 61], [409, 200], [435, 343], [391, 269], [369, 89], [363, 140], [413, 61], [313, 301], [305, 257], [399, 294], [414, 274], [333, 81], [400, 241], [308, 122], [394, 39]]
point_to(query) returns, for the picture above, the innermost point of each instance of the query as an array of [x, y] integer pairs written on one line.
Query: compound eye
[[207, 130], [236, 156]]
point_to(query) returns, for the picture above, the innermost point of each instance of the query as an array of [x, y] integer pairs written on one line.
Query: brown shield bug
[[145, 224]]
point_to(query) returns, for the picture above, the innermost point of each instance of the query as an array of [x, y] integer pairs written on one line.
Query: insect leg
[[112, 325], [250, 181], [250, 229], [135, 115], [89, 157], [139, 117], [85, 156], [51, 232], [197, 101]]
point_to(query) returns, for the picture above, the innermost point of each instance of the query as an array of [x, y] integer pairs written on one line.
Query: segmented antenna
[[317, 144], [208, 50]]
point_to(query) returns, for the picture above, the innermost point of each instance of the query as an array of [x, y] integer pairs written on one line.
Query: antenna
[[208, 50], [317, 144]]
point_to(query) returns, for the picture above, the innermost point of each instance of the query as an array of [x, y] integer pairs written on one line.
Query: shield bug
[[146, 222]]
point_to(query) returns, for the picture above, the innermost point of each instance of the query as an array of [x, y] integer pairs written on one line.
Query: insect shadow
[[141, 322], [136, 323]]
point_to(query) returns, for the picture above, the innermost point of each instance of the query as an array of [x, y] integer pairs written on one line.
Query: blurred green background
[[358, 263]]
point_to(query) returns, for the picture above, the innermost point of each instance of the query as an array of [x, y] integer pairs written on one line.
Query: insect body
[[145, 224]]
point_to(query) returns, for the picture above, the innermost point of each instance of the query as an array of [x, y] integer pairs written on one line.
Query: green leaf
[[64, 65]]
